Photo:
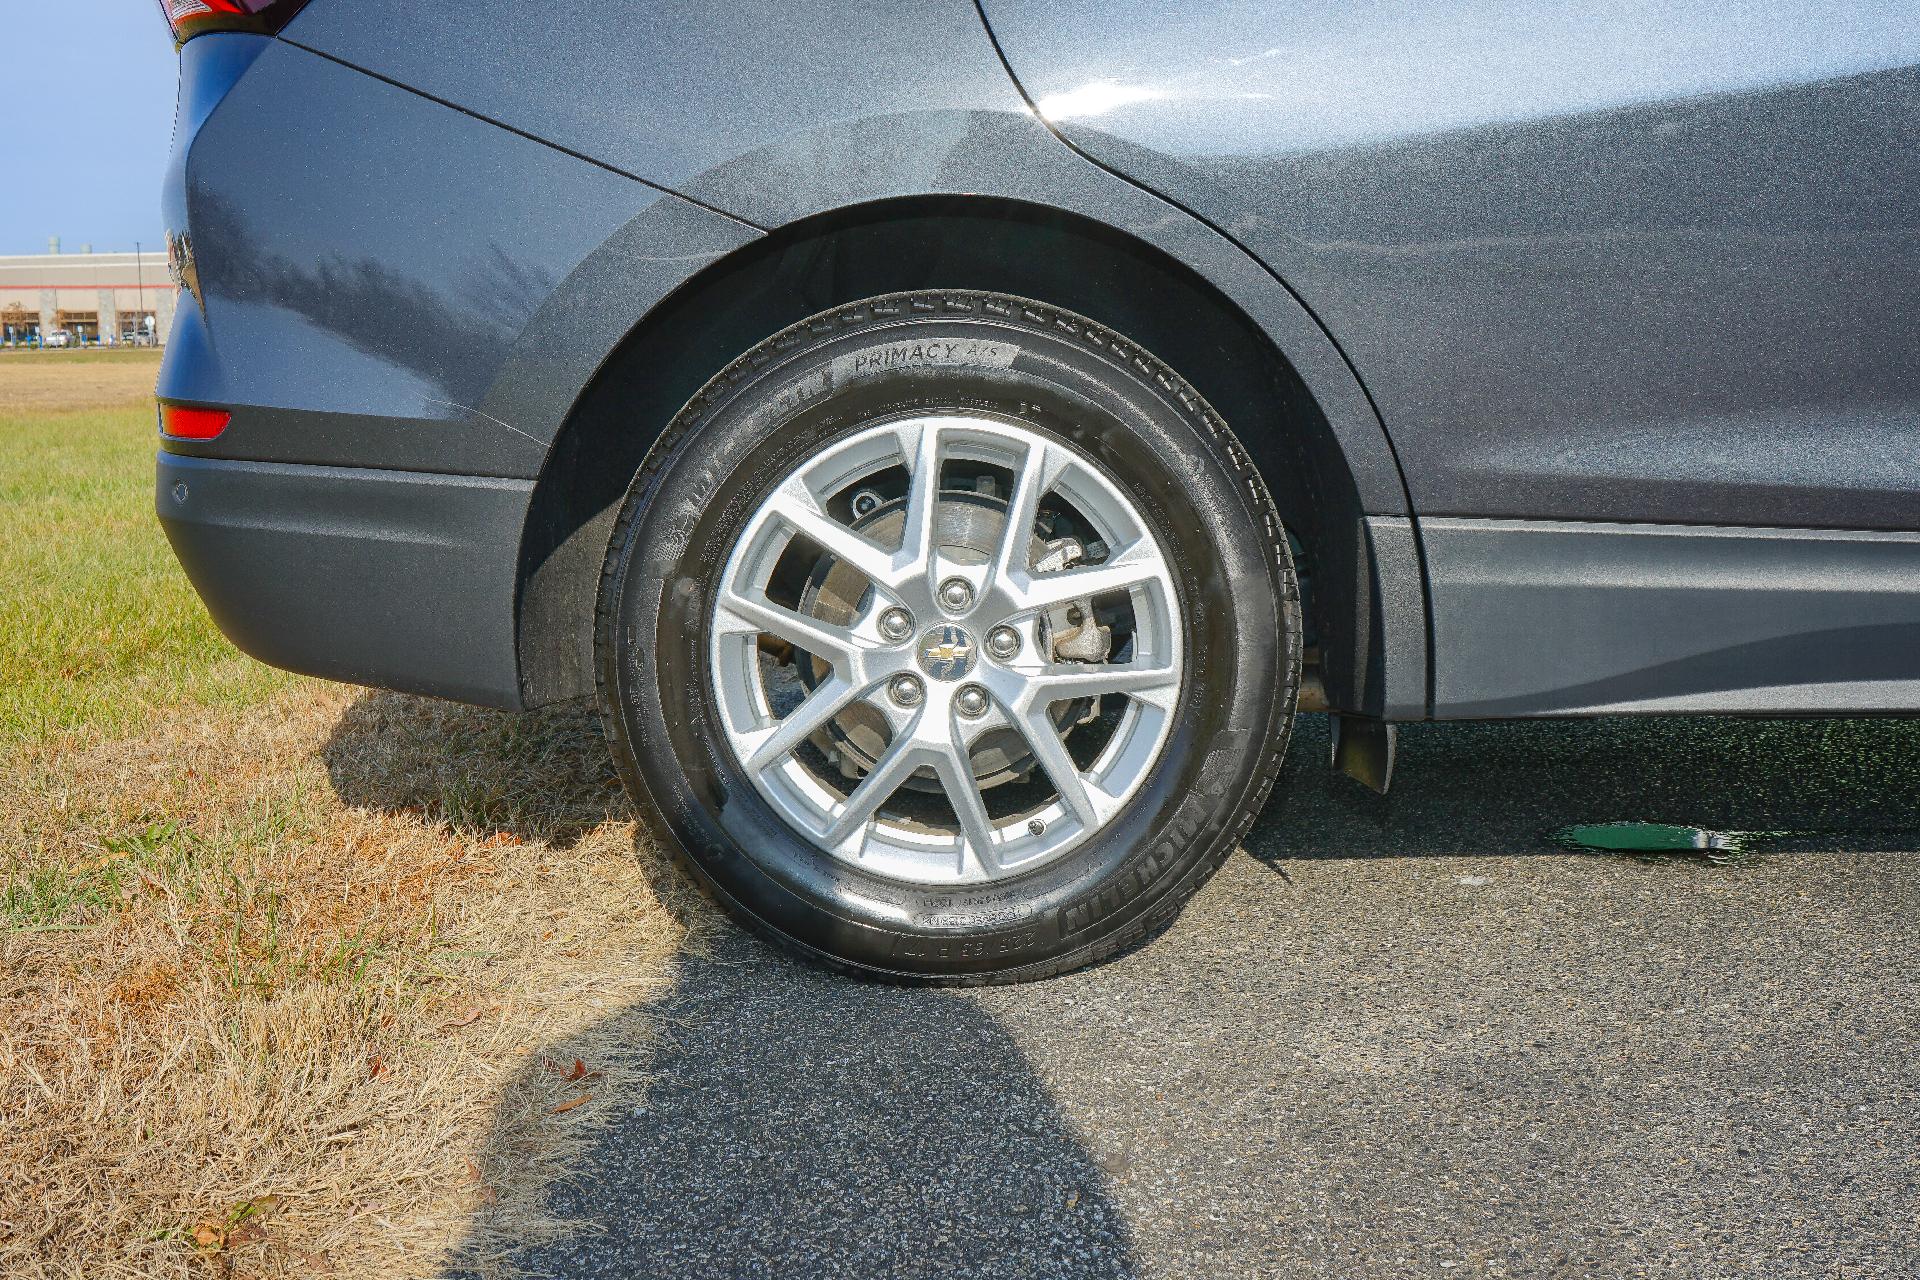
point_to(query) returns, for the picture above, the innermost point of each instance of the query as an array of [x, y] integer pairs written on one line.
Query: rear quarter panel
[[375, 266]]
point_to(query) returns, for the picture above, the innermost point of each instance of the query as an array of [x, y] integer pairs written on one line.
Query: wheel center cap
[[948, 652]]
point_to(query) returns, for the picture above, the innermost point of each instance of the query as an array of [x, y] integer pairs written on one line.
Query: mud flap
[[1363, 750]]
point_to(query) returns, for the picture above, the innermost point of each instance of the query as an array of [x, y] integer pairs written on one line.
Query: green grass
[[52, 897], [98, 625]]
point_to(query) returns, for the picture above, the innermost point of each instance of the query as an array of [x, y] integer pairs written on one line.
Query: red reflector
[[183, 423]]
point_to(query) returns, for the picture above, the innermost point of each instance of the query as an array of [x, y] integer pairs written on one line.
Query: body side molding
[[1558, 618]]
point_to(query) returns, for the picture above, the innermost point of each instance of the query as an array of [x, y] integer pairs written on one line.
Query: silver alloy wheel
[[946, 652]]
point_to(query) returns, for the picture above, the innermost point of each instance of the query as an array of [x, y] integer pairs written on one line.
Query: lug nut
[[955, 594], [896, 624], [1003, 642], [971, 701], [905, 690]]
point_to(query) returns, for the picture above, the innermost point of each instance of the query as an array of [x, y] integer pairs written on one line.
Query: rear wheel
[[951, 637]]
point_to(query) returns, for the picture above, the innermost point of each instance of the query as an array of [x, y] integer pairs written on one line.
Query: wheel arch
[[1299, 412]]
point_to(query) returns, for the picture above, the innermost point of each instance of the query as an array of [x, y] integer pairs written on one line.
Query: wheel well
[[958, 243]]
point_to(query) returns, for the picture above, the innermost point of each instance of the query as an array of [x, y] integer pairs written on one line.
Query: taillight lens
[[188, 18], [185, 423]]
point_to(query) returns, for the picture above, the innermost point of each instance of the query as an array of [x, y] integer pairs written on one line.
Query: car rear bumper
[[399, 579]]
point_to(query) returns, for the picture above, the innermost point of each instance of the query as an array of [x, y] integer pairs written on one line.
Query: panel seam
[[522, 133]]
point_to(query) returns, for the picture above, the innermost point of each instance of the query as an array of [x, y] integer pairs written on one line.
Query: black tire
[[1072, 379]]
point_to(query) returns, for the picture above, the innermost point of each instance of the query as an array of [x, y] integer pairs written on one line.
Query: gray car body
[[1598, 331]]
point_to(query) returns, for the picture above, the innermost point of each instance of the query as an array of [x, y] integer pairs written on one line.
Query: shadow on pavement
[[1503, 788], [798, 1123], [1346, 1075]]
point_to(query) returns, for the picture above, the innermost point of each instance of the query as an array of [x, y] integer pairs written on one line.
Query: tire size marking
[[964, 948]]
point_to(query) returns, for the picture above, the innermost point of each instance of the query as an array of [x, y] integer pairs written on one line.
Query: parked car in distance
[[953, 451]]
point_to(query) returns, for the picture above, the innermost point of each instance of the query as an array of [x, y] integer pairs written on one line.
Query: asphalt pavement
[[1394, 1037]]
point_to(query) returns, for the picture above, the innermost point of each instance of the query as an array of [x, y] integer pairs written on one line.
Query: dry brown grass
[[42, 381], [297, 989], [292, 976]]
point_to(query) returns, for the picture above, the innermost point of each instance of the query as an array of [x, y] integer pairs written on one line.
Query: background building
[[86, 295]]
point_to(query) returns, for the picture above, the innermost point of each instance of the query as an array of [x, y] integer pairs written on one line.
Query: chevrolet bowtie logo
[[946, 653]]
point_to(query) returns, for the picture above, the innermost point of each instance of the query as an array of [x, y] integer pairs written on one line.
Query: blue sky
[[84, 162]]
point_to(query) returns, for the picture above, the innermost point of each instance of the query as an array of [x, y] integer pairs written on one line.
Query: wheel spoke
[[797, 507], [1042, 467], [976, 827], [923, 451], [1140, 566], [888, 772], [821, 639], [1051, 753], [820, 706], [1079, 680]]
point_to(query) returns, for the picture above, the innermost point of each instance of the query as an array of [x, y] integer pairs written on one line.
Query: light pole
[[140, 280]]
